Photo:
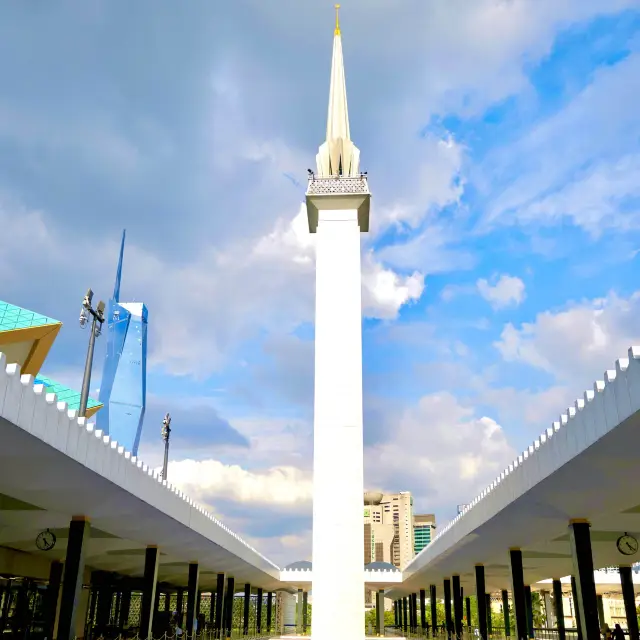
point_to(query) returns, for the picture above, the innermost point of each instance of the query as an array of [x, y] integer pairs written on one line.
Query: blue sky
[[502, 143]]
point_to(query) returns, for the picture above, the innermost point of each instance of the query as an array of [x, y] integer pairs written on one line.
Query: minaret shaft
[[338, 544]]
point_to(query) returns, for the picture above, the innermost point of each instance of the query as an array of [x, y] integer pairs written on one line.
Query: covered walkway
[[566, 505], [90, 536]]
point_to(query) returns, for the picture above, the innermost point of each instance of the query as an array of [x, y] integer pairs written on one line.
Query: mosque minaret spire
[[338, 211], [338, 155]]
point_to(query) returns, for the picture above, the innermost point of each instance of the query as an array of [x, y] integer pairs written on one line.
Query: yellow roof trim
[[43, 338]]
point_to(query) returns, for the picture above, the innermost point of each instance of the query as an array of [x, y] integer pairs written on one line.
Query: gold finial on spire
[[337, 31]]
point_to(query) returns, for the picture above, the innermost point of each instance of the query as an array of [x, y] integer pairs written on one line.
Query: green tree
[[539, 618], [370, 617]]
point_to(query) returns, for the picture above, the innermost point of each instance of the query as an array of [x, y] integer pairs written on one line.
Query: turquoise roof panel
[[12, 317], [64, 394]]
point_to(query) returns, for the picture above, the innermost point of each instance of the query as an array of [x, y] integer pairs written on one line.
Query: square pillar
[[600, 610], [91, 617], [228, 607], [587, 605], [79, 535], [404, 614], [548, 610], [529, 604], [467, 602], [259, 611], [305, 612], [380, 612], [180, 606], [558, 606], [505, 613], [434, 609], [481, 600], [149, 581], [413, 600], [246, 608], [574, 599], [269, 610], [423, 609], [192, 597], [447, 607], [125, 608], [457, 607], [219, 614], [212, 609], [487, 604], [51, 599], [629, 597], [103, 608], [517, 593], [299, 612]]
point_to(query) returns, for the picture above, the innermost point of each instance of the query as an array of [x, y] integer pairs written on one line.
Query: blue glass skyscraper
[[123, 389]]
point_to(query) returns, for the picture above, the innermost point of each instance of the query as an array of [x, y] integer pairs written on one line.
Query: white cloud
[[384, 292], [433, 250], [435, 181], [504, 292], [576, 344], [439, 450], [594, 177], [203, 308], [206, 480]]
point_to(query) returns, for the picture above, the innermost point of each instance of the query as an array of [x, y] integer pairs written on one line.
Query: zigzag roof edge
[[24, 383]]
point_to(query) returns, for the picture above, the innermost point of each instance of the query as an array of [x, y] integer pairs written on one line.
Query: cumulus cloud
[[576, 343], [440, 450], [385, 292], [503, 291], [206, 480], [203, 308]]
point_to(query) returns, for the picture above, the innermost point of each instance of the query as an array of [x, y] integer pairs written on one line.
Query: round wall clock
[[46, 540], [627, 545]]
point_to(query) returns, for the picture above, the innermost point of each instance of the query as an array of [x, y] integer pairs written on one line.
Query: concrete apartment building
[[388, 528], [391, 531]]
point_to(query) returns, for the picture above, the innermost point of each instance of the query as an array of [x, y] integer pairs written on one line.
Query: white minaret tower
[[338, 208]]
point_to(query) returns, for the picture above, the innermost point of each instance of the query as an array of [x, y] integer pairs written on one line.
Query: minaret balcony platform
[[338, 193]]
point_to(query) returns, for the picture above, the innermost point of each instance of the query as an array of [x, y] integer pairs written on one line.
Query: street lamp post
[[97, 315], [166, 432]]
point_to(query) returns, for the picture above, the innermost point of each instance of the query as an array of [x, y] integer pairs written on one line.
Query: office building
[[123, 389], [424, 527]]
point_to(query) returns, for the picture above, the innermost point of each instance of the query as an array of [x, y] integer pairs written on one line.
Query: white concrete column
[[338, 544]]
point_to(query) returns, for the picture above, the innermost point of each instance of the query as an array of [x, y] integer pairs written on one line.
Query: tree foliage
[[370, 619]]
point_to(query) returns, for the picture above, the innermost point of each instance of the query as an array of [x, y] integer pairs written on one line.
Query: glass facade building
[[424, 527], [123, 389]]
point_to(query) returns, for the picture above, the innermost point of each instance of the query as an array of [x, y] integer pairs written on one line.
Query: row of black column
[[67, 581], [589, 611]]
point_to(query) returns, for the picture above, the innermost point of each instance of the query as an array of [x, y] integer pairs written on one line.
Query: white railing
[[337, 185]]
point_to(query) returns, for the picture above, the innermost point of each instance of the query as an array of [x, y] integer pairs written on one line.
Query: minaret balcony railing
[[337, 185]]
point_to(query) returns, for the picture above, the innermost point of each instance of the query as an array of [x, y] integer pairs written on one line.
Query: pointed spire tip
[[337, 30]]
